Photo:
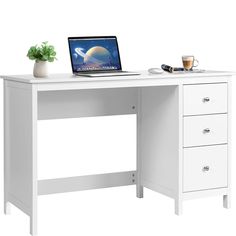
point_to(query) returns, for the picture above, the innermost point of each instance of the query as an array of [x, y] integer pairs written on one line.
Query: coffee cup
[[189, 62]]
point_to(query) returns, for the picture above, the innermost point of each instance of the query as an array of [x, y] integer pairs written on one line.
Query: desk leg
[[34, 174], [34, 198], [33, 223], [227, 201], [227, 197], [20, 144], [178, 207], [139, 187], [7, 208], [139, 191], [6, 152]]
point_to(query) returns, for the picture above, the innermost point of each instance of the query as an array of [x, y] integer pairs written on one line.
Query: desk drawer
[[205, 99], [205, 130], [205, 168]]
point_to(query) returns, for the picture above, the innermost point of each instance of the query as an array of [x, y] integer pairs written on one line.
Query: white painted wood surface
[[20, 150], [68, 78], [205, 130], [179, 180], [227, 197], [206, 193], [6, 150], [205, 168], [85, 103], [149, 81], [200, 99], [139, 186], [70, 82], [88, 182], [160, 139], [214, 98], [170, 117]]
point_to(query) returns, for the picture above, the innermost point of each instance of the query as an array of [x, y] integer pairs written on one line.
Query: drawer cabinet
[[202, 99], [205, 130], [205, 168], [205, 137]]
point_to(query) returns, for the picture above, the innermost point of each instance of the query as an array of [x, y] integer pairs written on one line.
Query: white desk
[[183, 133]]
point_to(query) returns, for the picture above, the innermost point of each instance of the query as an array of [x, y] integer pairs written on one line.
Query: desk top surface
[[144, 75]]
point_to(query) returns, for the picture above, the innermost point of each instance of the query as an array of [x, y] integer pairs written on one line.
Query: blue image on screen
[[94, 54]]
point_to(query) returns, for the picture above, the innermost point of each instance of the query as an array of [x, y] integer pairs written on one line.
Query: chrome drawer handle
[[205, 168], [206, 131], [206, 99]]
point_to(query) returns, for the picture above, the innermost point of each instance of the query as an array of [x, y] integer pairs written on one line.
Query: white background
[[150, 33]]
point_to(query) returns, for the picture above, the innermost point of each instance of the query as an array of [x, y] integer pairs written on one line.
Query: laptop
[[96, 56]]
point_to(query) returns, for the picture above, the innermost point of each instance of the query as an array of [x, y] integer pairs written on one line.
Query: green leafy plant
[[44, 52]]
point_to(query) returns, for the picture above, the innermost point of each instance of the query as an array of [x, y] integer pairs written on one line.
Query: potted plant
[[41, 55]]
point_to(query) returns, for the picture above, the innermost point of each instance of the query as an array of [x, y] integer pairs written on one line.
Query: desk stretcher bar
[[87, 182]]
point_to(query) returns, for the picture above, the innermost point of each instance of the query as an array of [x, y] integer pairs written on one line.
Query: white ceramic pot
[[40, 69]]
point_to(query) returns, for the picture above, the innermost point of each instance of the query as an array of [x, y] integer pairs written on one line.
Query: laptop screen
[[94, 54]]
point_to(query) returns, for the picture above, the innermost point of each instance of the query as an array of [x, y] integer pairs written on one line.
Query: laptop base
[[106, 74]]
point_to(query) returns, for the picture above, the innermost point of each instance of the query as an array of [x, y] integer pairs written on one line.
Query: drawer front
[[205, 168], [205, 130], [205, 99]]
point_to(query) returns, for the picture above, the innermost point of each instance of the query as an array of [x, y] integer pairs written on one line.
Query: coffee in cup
[[189, 62]]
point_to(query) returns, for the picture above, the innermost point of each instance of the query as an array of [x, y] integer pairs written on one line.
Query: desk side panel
[[20, 127], [159, 142]]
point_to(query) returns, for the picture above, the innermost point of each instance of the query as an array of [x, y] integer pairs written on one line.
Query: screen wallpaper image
[[94, 54]]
